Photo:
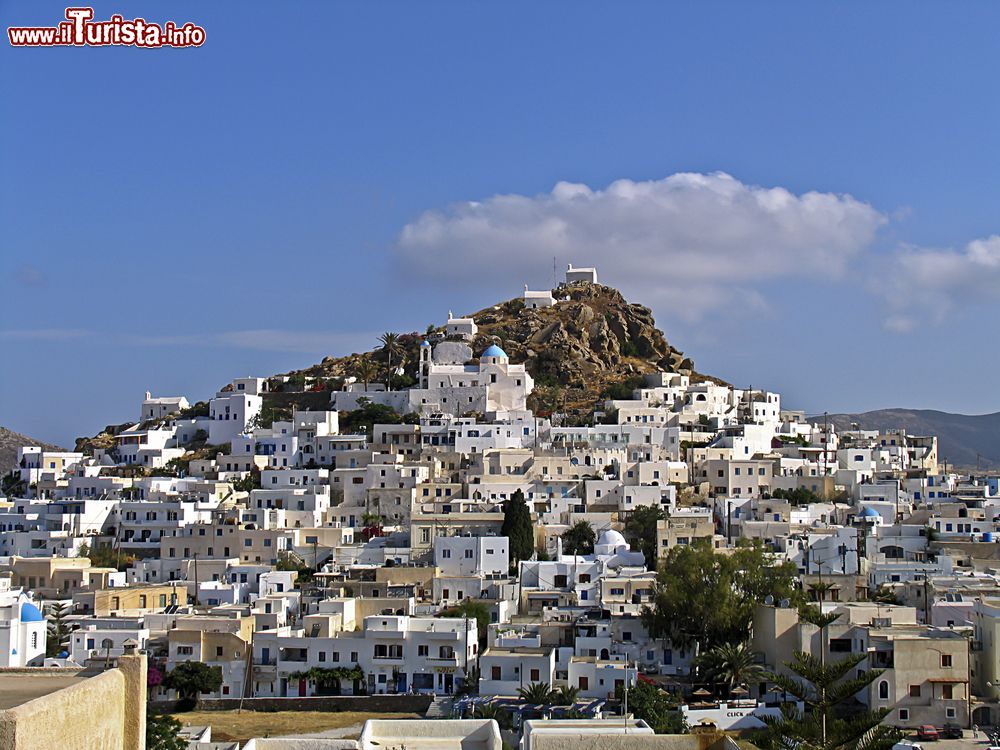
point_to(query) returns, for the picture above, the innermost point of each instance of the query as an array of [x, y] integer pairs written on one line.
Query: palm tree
[[492, 711], [13, 485], [366, 370], [731, 664], [565, 695], [536, 693], [390, 345]]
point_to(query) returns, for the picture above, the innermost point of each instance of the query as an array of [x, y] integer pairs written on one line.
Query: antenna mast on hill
[[554, 272]]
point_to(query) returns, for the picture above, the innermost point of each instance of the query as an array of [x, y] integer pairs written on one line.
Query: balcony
[[442, 635]]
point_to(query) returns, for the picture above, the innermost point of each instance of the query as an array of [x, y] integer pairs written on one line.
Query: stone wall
[[104, 712], [375, 704]]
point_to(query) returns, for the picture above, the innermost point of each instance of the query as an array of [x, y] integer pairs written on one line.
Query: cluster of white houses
[[404, 525]]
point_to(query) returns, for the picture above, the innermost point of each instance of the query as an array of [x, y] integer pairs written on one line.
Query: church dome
[[31, 613], [425, 342], [869, 513], [611, 538], [494, 351]]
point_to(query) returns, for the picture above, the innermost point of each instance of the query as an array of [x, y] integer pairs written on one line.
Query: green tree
[[13, 485], [730, 665], [190, 678], [365, 370], [655, 707], [536, 693], [579, 539], [248, 483], [640, 531], [162, 733], [106, 556], [565, 695], [830, 723], [517, 527], [58, 630], [498, 713], [474, 609], [368, 414], [709, 599], [391, 346]]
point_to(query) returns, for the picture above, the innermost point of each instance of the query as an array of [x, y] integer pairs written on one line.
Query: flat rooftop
[[20, 687]]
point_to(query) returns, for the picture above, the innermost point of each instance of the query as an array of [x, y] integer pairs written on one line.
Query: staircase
[[440, 707]]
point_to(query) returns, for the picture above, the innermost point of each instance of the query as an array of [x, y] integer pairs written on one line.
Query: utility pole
[[196, 579], [826, 443], [625, 703]]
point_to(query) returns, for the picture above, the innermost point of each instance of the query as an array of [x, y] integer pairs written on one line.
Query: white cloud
[[267, 339], [930, 283], [44, 334], [707, 237]]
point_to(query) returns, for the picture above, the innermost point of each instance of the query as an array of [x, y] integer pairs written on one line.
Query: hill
[[591, 345], [10, 441], [960, 436]]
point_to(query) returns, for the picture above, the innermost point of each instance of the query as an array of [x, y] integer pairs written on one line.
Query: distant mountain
[[960, 436], [10, 441]]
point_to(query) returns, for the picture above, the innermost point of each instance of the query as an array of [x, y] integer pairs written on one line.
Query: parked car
[[907, 745], [950, 731], [928, 733]]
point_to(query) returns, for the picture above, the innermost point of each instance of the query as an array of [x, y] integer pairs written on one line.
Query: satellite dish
[[769, 600], [784, 603]]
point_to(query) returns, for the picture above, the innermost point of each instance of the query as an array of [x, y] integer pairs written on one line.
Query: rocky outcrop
[[592, 338], [10, 441]]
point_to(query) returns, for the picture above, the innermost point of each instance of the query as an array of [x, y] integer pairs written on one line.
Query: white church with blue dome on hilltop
[[452, 382]]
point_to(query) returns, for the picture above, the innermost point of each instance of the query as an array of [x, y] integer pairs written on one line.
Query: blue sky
[[319, 172]]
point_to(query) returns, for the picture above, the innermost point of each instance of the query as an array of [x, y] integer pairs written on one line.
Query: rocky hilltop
[[591, 345], [10, 441]]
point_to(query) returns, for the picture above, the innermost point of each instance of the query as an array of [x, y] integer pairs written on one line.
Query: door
[[302, 688], [449, 683]]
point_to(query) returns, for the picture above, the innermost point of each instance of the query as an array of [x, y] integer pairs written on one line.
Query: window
[[946, 661], [421, 650], [914, 691], [535, 675], [883, 690], [495, 673], [904, 714]]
